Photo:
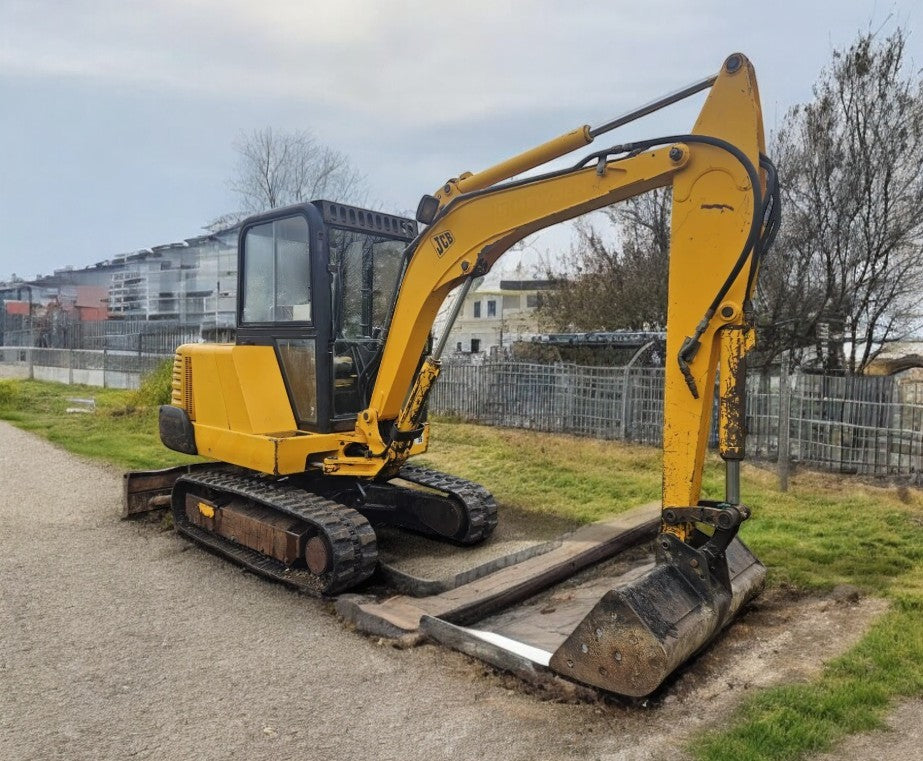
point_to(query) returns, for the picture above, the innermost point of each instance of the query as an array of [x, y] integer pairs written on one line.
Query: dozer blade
[[637, 635], [147, 490]]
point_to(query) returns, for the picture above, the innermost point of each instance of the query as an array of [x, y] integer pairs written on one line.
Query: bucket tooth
[[637, 635]]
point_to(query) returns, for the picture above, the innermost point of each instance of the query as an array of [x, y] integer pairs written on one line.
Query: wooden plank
[[279, 536], [470, 602], [196, 516]]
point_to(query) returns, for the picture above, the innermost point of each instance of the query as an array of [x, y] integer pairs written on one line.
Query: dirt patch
[[902, 738], [784, 637]]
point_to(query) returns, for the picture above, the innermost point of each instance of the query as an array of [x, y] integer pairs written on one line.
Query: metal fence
[[863, 425], [603, 402], [143, 336]]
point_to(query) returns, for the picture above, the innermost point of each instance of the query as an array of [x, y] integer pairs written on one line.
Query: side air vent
[[181, 387], [176, 387], [188, 399]]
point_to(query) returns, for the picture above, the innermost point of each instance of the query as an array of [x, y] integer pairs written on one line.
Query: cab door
[[284, 303]]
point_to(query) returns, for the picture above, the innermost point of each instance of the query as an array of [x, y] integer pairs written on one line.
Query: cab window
[[277, 272]]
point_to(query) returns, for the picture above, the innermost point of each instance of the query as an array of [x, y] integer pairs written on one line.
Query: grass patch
[[575, 478], [853, 694], [825, 531], [156, 387], [122, 430], [829, 531]]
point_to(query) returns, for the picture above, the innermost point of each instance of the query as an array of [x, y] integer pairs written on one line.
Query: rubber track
[[349, 535], [480, 506]]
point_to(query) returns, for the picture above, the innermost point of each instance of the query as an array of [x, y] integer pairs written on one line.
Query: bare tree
[[846, 273], [848, 259], [621, 282], [279, 167]]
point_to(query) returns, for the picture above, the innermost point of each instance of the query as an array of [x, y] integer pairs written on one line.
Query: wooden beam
[[471, 602]]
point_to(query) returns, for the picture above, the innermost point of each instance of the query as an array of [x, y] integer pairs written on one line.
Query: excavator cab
[[316, 283]]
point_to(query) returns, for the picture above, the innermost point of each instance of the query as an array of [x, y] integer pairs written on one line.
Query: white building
[[192, 282], [497, 312]]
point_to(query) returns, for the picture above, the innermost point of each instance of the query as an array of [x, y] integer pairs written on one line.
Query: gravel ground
[[118, 640]]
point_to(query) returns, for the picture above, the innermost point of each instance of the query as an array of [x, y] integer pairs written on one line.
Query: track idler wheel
[[317, 555]]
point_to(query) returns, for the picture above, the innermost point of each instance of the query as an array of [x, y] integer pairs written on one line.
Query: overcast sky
[[117, 117]]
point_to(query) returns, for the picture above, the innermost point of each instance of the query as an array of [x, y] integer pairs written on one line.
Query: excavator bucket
[[638, 634], [634, 636]]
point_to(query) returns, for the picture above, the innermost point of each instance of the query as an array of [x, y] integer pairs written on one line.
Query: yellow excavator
[[311, 415]]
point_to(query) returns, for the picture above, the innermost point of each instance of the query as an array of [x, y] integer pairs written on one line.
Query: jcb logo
[[442, 241]]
